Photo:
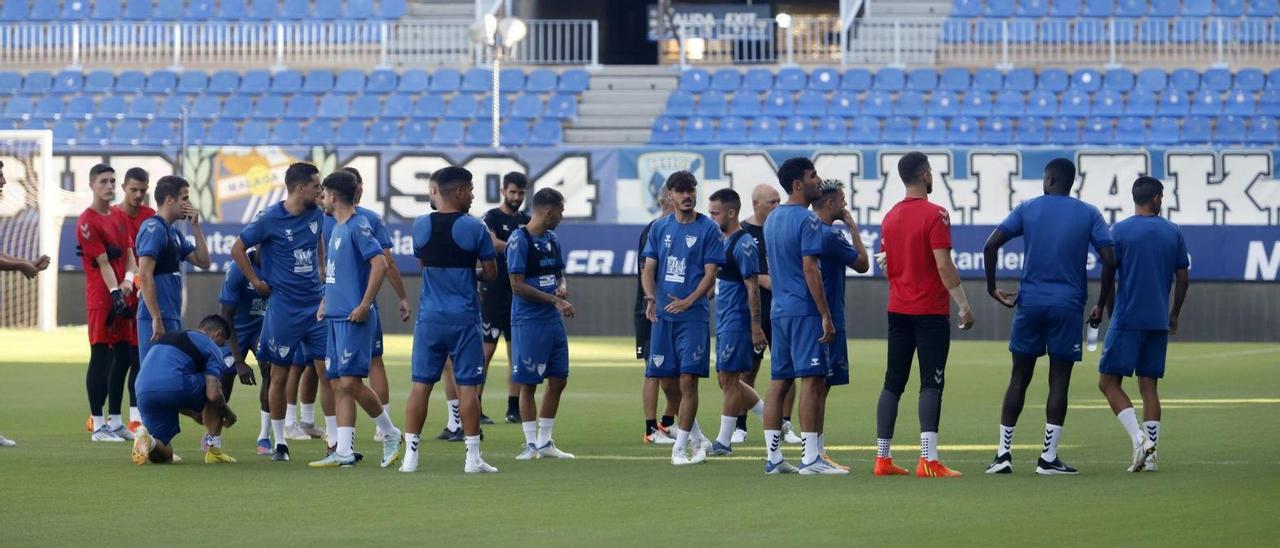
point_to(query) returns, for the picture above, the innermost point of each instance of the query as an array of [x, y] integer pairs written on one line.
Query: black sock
[[786, 419], [667, 421], [742, 423], [513, 405], [118, 376], [650, 425]]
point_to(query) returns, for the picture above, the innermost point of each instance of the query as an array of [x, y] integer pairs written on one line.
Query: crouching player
[[182, 375]]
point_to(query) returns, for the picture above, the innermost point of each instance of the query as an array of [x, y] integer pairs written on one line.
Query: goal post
[[32, 209]]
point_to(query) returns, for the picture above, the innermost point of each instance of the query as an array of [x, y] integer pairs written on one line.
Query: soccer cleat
[[1003, 464], [296, 433], [832, 463], [143, 443], [820, 467], [105, 434], [1055, 468], [1141, 453], [6, 442], [934, 469], [529, 452], [512, 418], [739, 436], [451, 435], [281, 453], [134, 425], [720, 450], [680, 458], [410, 462], [780, 467], [88, 424], [658, 437], [478, 466], [334, 461], [123, 433], [215, 455], [264, 446], [886, 467], [789, 435], [378, 436], [550, 451], [1151, 462], [484, 419], [331, 449], [390, 449]]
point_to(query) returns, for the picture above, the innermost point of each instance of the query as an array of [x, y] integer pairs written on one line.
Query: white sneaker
[[6, 442], [1150, 464], [295, 432], [699, 454], [529, 452], [659, 437], [679, 458], [143, 443], [478, 466], [820, 466], [122, 433], [789, 434], [739, 436], [105, 434], [1140, 454], [410, 462], [550, 451]]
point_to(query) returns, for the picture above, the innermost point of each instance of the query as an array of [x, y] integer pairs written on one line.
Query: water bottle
[[1091, 342]]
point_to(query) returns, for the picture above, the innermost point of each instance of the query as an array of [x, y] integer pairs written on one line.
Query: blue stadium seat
[[562, 106], [95, 132], [930, 131], [429, 107], [171, 107], [1269, 103], [1020, 79], [385, 132], [462, 107], [1042, 103], [1263, 130], [11, 12], [1273, 79], [954, 79], [1207, 103], [844, 104], [1173, 103], [680, 104], [317, 132], [514, 133], [1088, 80], [476, 80], [143, 107], [909, 103], [745, 103], [104, 10], [398, 106], [220, 132], [206, 107], [1118, 79], [232, 10], [17, 108], [111, 107], [1216, 80], [255, 82], [485, 105], [1200, 8], [287, 82], [540, 81], [546, 133], [1131, 130], [1066, 8], [1107, 102], [1229, 130], [127, 132], [64, 132], [198, 10], [963, 131], [996, 131], [75, 11], [790, 79], [889, 79], [320, 82], [877, 103], [527, 106], [391, 9], [49, 107], [897, 131], [1140, 103], [238, 107], [365, 107], [1250, 79], [478, 134], [811, 103], [712, 104], [977, 104], [262, 10], [1165, 8], [765, 131], [161, 82], [358, 9], [327, 10], [350, 132], [778, 104], [999, 8], [1151, 80], [986, 80], [510, 80], [732, 129], [966, 8], [824, 79], [1131, 8], [1063, 131], [798, 130], [757, 79], [1240, 103], [699, 131], [830, 131], [192, 82], [1099, 8], [856, 79], [1030, 131], [864, 131], [415, 133], [38, 82], [922, 79], [254, 133], [67, 81], [1053, 79], [333, 106], [1097, 131], [303, 107], [574, 81], [98, 81], [448, 80], [1032, 8], [944, 104], [414, 81], [665, 131], [271, 107], [286, 132], [224, 82], [79, 107], [1074, 102], [1197, 130], [694, 80], [380, 81], [1164, 131], [1263, 8]]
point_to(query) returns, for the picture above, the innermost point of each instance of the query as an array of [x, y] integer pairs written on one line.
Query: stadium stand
[[199, 10]]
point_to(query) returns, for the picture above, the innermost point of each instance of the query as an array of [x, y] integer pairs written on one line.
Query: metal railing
[[250, 44]]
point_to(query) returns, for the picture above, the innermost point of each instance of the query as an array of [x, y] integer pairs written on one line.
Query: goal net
[[32, 208]]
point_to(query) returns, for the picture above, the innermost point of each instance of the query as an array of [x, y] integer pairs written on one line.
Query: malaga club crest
[[653, 168]]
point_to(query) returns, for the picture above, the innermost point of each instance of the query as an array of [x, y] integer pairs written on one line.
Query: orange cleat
[[88, 424], [134, 425], [827, 458], [886, 467], [934, 469]]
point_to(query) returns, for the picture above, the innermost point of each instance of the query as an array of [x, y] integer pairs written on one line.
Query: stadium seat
[[1140, 103], [484, 104], [698, 131], [790, 79], [798, 131], [49, 107], [327, 10], [224, 82], [380, 82], [198, 10], [462, 107], [1009, 103], [232, 10], [75, 11], [286, 82], [350, 132], [1064, 130], [254, 133], [1165, 8], [221, 132], [238, 107], [318, 132], [1240, 103], [365, 107], [1020, 79], [977, 104], [527, 106], [98, 81], [206, 107], [37, 82], [1151, 80], [161, 82], [830, 131], [1164, 131], [384, 132], [745, 103], [844, 104], [1032, 8], [478, 134], [930, 130], [511, 80], [998, 8], [67, 81], [1118, 79], [255, 82], [944, 104], [319, 82], [1131, 8], [358, 10], [1131, 130], [143, 107], [1207, 103], [171, 107], [765, 131], [757, 79], [1098, 8], [333, 106], [127, 133], [429, 107], [573, 81], [811, 103], [732, 129], [1042, 103], [1229, 130], [1263, 131], [1030, 131], [79, 107], [64, 132], [95, 132], [1074, 102], [1173, 103], [897, 131], [476, 80], [1216, 80], [1269, 103], [192, 82], [1053, 79], [955, 79], [1263, 8], [923, 79], [1097, 131], [962, 131], [546, 133], [1185, 80], [694, 80], [712, 104], [1107, 102], [111, 107], [398, 106], [444, 80], [287, 132], [1250, 79], [1196, 130], [990, 80], [824, 79], [665, 131], [778, 104], [415, 133], [966, 8], [856, 79], [129, 81], [562, 106], [414, 81], [889, 79], [996, 131], [1088, 80], [272, 107], [864, 131], [303, 107], [262, 10], [540, 81], [17, 108], [104, 10]]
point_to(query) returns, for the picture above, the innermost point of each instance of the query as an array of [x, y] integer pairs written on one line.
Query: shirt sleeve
[[515, 253], [421, 232], [811, 236], [1012, 224], [561, 264], [747, 256], [940, 231], [231, 284], [187, 247], [1183, 260], [380, 233], [651, 242], [89, 236], [840, 248], [712, 245], [151, 239], [1099, 234], [366, 243], [484, 243], [255, 232]]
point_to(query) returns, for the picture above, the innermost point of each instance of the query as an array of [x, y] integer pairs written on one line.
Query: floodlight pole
[[496, 51]]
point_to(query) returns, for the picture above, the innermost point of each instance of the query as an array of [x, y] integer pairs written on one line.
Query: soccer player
[[1151, 256], [106, 251], [244, 308], [837, 254], [161, 248], [801, 317], [655, 432], [1057, 230], [541, 348], [135, 209], [495, 296], [289, 233], [916, 242], [353, 276], [29, 269], [764, 199], [449, 243], [681, 259], [738, 330], [182, 375]]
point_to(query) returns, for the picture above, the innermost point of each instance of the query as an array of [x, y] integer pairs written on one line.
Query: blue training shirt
[[1057, 232], [791, 233], [1149, 249], [346, 272], [289, 244], [448, 282], [542, 276], [379, 227], [168, 369], [837, 254], [250, 306], [165, 244], [682, 251], [733, 309]]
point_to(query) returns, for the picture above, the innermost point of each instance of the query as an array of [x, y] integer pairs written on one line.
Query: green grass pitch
[[1218, 481]]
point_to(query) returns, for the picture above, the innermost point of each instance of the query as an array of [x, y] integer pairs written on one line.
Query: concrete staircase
[[918, 45], [620, 105], [443, 10]]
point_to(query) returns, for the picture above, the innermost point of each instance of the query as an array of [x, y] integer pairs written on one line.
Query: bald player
[[764, 198]]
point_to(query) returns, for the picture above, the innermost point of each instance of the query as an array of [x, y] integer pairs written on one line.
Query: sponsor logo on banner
[[652, 170]]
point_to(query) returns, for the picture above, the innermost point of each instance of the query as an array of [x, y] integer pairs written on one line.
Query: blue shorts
[[734, 351], [678, 348], [349, 348], [1127, 351], [796, 351], [292, 336], [433, 343], [838, 360], [376, 320], [144, 334], [1040, 328], [539, 351], [159, 409]]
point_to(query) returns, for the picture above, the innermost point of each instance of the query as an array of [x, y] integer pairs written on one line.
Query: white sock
[[530, 432], [695, 433], [544, 430], [455, 419], [331, 428], [308, 413], [386, 410], [810, 452], [98, 422], [346, 438], [758, 408], [114, 422], [411, 442], [727, 426], [1006, 440], [1052, 433], [473, 447], [884, 448], [291, 415], [929, 445], [213, 441], [134, 414], [1129, 420], [385, 425], [277, 430], [264, 428], [773, 445], [682, 440], [822, 443], [1153, 431]]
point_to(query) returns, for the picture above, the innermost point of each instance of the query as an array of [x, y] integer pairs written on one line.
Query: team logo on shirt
[[690, 240], [657, 360], [84, 231], [288, 234], [229, 360], [337, 243], [151, 227], [666, 241], [283, 350], [946, 217], [312, 225]]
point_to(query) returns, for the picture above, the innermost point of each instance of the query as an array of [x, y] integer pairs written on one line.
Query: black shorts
[[643, 330], [927, 338], [496, 325]]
